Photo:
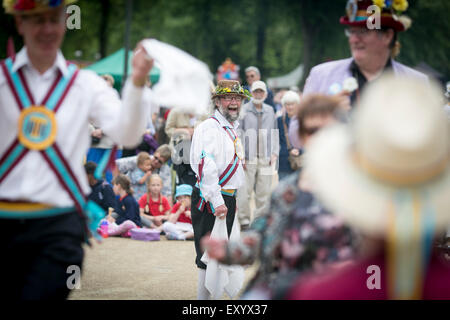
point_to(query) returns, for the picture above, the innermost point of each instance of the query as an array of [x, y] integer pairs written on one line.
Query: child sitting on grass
[[153, 206], [127, 215], [179, 225]]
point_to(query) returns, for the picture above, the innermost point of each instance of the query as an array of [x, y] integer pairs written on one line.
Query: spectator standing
[[252, 74], [289, 102], [100, 142], [179, 128], [259, 131]]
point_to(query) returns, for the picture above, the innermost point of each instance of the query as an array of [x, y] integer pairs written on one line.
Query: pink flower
[[25, 5]]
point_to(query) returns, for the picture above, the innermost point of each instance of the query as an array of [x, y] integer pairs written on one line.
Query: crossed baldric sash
[[229, 171], [37, 131]]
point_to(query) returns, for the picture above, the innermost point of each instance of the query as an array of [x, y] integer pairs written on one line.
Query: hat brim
[[227, 94], [352, 194], [385, 22]]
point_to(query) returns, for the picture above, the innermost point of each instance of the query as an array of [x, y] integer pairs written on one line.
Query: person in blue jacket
[[127, 206], [102, 192]]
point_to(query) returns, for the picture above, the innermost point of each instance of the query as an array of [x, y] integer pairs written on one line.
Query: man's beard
[[230, 118], [257, 101]]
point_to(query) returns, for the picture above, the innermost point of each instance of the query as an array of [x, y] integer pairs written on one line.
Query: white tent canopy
[[288, 80]]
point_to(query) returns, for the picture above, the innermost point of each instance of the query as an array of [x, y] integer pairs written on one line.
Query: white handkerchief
[[220, 277], [184, 81]]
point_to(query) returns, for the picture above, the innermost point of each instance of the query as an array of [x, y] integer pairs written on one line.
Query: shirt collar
[[224, 122], [22, 60]]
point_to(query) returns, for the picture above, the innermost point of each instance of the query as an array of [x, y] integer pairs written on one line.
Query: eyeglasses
[[158, 159], [250, 76], [230, 98], [357, 32]]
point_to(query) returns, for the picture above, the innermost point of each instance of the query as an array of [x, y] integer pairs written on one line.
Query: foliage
[[274, 35]]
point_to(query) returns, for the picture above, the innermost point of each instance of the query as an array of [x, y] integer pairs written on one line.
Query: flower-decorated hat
[[227, 87], [32, 6], [391, 13]]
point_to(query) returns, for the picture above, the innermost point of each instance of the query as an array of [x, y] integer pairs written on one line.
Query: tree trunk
[[261, 18], [103, 35]]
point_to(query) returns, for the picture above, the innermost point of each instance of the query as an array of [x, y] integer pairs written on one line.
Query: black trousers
[[36, 254], [203, 222]]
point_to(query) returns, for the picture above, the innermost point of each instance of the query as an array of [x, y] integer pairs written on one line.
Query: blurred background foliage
[[274, 35]]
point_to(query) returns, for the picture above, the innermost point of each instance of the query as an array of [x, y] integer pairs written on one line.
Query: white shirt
[[210, 137], [89, 100]]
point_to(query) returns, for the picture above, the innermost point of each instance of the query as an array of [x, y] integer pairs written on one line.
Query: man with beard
[[259, 129], [216, 157]]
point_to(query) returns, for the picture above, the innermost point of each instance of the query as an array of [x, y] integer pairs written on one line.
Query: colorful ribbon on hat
[[409, 241]]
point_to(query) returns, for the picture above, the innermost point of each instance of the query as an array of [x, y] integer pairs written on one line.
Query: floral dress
[[297, 235]]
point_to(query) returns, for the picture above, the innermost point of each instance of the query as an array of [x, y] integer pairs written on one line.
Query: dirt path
[[125, 269]]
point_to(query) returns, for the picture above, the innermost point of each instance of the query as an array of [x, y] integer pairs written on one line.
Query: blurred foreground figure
[[46, 105], [389, 178]]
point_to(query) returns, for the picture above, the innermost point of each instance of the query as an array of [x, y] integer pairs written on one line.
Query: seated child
[[179, 224], [102, 192], [153, 206], [127, 215], [139, 175]]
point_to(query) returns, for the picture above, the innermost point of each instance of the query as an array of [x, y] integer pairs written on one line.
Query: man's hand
[[273, 159], [142, 65], [221, 211], [97, 133], [344, 103]]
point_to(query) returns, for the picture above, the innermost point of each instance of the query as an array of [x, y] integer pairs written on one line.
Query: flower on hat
[[55, 3], [25, 5], [400, 5], [380, 3], [8, 3]]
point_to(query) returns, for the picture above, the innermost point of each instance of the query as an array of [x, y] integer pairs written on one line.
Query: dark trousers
[[203, 222], [36, 254]]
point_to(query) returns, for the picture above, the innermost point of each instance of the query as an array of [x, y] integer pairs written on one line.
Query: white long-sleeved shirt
[[89, 100], [212, 140]]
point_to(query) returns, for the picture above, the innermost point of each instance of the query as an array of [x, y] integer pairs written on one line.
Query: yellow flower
[[379, 3], [400, 5], [8, 4], [228, 90]]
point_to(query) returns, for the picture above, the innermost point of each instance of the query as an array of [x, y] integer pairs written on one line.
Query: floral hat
[[391, 13], [226, 87], [32, 6]]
